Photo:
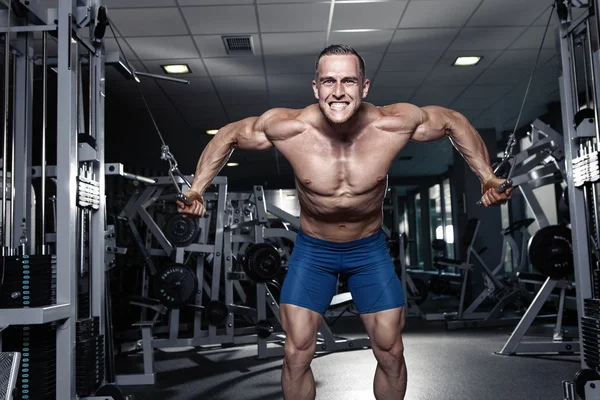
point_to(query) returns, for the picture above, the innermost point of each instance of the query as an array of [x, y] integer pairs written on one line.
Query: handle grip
[[499, 189], [188, 202], [184, 199]]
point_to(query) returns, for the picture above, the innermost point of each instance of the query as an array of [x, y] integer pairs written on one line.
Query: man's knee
[[300, 348]]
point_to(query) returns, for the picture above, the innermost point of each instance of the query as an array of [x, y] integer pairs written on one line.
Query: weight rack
[[57, 329], [577, 37]]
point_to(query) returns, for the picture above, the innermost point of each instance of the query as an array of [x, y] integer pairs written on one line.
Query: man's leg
[[300, 326], [378, 296], [385, 331]]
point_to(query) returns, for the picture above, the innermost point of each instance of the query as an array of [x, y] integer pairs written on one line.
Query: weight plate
[[551, 252], [262, 262], [581, 378], [175, 285], [216, 312], [181, 231]]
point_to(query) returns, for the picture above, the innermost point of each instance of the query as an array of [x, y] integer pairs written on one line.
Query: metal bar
[[164, 78], [532, 312], [41, 315], [20, 173], [592, 78], [18, 119], [44, 122], [28, 28], [5, 117], [66, 291]]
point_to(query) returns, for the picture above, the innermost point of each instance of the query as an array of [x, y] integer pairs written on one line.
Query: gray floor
[[449, 365]]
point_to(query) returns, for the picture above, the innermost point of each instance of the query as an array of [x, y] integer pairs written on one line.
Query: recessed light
[[356, 30], [212, 131], [176, 69], [466, 61], [232, 164]]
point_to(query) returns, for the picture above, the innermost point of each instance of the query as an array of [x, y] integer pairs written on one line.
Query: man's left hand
[[490, 196]]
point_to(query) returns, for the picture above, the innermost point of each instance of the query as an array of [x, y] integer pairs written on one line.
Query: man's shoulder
[[396, 117], [286, 122], [398, 109]]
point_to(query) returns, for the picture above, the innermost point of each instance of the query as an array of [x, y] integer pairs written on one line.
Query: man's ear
[[366, 86], [315, 89]]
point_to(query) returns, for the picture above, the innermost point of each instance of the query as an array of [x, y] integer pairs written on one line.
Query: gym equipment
[[112, 391], [559, 342], [176, 285], [9, 370], [262, 262], [551, 252], [47, 317], [181, 231], [582, 377], [264, 329], [216, 312]]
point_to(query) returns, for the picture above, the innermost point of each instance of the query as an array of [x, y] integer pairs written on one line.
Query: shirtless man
[[341, 150]]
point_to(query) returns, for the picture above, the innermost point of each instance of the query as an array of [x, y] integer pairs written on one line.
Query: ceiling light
[[356, 30], [232, 164], [176, 69], [466, 61], [212, 131]]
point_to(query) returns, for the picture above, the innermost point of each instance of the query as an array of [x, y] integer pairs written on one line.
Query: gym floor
[[442, 364]]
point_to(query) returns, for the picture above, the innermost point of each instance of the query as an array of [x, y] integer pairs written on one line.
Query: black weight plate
[[181, 231], [262, 262], [551, 252], [175, 285], [581, 378], [111, 391], [216, 312]]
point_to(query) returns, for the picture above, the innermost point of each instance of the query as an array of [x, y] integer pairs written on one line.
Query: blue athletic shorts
[[315, 264]]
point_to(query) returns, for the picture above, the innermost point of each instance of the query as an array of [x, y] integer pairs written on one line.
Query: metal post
[[97, 227], [44, 122], [5, 117], [21, 172], [66, 193]]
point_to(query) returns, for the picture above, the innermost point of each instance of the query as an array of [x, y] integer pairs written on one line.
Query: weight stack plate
[[37, 372], [590, 337], [29, 281], [596, 279], [591, 308], [89, 356]]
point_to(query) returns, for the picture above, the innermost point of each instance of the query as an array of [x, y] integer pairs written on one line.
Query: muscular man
[[341, 150]]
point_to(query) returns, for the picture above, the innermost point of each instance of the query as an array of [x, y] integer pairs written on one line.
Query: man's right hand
[[194, 210]]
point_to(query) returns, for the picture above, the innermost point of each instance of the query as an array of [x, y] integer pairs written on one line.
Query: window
[[448, 222], [436, 221]]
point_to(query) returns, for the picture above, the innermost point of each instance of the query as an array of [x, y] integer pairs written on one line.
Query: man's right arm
[[246, 134], [253, 133]]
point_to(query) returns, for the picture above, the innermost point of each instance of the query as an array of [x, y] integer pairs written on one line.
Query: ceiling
[[409, 47]]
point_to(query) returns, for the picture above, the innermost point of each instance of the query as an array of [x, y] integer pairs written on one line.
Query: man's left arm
[[435, 123]]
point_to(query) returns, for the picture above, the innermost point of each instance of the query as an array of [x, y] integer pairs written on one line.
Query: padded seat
[[341, 300]]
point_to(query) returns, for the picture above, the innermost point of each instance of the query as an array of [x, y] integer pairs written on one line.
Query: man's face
[[340, 87]]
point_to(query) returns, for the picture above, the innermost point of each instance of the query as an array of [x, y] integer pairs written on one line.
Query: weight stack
[[596, 279], [590, 332], [29, 281], [37, 372], [89, 356]]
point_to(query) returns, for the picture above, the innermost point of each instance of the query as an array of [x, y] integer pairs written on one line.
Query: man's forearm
[[213, 159], [470, 145]]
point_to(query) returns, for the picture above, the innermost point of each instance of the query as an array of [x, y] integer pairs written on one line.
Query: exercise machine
[[577, 35]]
